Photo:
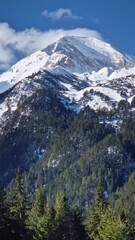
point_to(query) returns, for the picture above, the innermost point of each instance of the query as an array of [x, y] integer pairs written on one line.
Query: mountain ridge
[[63, 59], [47, 110], [40, 59]]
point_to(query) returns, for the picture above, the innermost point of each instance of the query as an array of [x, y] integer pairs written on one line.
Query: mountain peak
[[85, 54], [70, 55]]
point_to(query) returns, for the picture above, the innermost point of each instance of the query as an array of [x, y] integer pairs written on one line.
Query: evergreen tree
[[111, 226], [93, 221], [41, 220], [19, 209], [35, 215], [63, 218], [48, 224], [78, 229]]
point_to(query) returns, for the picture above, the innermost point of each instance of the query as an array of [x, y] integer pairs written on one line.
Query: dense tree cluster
[[22, 219], [65, 151]]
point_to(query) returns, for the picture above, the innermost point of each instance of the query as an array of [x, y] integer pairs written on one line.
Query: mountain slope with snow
[[83, 71], [94, 53], [69, 55], [42, 94]]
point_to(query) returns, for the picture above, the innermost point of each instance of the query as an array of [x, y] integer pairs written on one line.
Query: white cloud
[[13, 43], [60, 13]]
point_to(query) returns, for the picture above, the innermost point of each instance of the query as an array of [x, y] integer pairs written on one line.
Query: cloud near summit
[[60, 13], [15, 43]]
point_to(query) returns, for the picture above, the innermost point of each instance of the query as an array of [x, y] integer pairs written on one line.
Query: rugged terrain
[[67, 118]]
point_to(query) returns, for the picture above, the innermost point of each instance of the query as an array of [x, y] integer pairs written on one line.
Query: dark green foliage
[[45, 222], [25, 142], [111, 227], [124, 198], [35, 221], [128, 135], [19, 206], [58, 150], [78, 227], [84, 151], [65, 151], [99, 209], [103, 223], [4, 216], [63, 218]]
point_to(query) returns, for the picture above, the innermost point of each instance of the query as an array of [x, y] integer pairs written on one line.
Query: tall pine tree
[[63, 218], [35, 215], [19, 209], [100, 206]]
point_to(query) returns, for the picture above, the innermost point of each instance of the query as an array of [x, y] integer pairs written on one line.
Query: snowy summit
[[81, 66]]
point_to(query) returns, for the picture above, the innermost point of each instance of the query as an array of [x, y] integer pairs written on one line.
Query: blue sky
[[25, 25]]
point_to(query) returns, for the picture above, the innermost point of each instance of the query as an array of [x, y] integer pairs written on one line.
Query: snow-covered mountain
[[83, 71], [41, 94], [75, 55]]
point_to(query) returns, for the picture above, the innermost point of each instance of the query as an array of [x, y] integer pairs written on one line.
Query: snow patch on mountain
[[24, 68], [96, 97], [122, 73]]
